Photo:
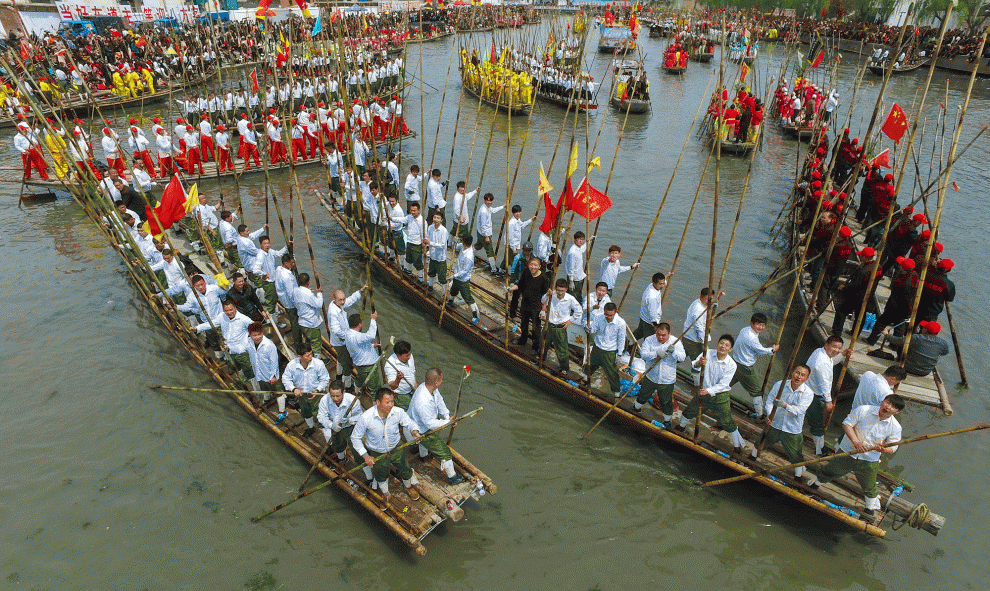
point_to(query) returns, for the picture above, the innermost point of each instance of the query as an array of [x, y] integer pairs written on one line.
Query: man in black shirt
[[532, 286], [244, 296]]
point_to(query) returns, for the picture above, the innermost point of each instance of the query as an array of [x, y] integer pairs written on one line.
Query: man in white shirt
[[485, 213], [309, 307], [610, 340], [562, 311], [414, 241], [462, 211], [234, 327], [304, 377], [869, 430], [714, 392], [246, 248], [661, 352], [461, 282], [400, 373], [285, 289], [792, 399], [514, 233], [337, 414], [263, 268], [575, 266], [748, 348], [874, 387], [377, 431], [694, 324], [264, 361], [611, 267], [412, 186], [428, 410], [651, 306], [337, 317], [436, 241], [822, 362], [362, 347], [435, 201]]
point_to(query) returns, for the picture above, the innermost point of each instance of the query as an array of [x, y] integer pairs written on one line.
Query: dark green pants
[[578, 291], [438, 269], [403, 400], [488, 245], [344, 359], [398, 459], [790, 442], [371, 374], [233, 258], [644, 330], [341, 439], [308, 406], [271, 296], [463, 288], [294, 335], [865, 472], [816, 416], [313, 337], [747, 377], [665, 393], [718, 407], [398, 243], [558, 341], [692, 349], [414, 256], [606, 361], [242, 361], [436, 446]]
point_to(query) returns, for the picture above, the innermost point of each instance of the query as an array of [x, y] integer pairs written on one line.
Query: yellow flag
[[146, 227], [222, 280], [595, 163], [545, 186], [572, 165], [192, 199]]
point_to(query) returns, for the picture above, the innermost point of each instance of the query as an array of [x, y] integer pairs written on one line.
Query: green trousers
[[792, 444], [606, 361], [717, 406], [233, 258], [371, 374], [383, 465], [578, 291], [436, 446], [341, 439], [644, 330], [665, 392], [557, 339], [747, 377], [489, 246], [438, 269], [313, 337], [414, 256], [344, 359], [403, 400], [271, 296], [242, 361], [692, 349], [463, 288], [295, 337], [308, 406], [865, 472], [816, 416]]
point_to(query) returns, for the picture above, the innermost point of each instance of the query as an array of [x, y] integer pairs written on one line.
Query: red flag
[[254, 80], [171, 208], [553, 211], [491, 59], [589, 202], [818, 59], [896, 123], [632, 26], [882, 159], [955, 186], [744, 73]]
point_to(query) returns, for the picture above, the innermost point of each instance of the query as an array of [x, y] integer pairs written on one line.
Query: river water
[[110, 485]]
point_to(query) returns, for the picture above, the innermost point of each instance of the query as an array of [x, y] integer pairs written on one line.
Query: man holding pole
[[663, 352], [821, 362], [337, 315], [714, 393], [748, 348], [428, 410], [379, 425], [869, 430], [337, 413], [305, 377], [792, 399], [361, 347]]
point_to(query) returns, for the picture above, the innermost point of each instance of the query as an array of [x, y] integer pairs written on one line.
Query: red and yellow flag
[[896, 123]]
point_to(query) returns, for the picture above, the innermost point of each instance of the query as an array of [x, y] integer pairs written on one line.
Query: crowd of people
[[494, 80]]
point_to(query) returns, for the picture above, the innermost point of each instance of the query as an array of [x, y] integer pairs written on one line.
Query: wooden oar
[[362, 465], [457, 406], [357, 395], [955, 344], [766, 471]]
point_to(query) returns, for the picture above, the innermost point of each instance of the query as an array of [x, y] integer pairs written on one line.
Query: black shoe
[[458, 479], [309, 432]]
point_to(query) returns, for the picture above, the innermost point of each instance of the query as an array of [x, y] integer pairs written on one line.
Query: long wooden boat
[[676, 70], [476, 29], [736, 148], [702, 57], [563, 102], [840, 500], [416, 39], [799, 132], [621, 72], [880, 69], [616, 39], [926, 390], [523, 109], [407, 519]]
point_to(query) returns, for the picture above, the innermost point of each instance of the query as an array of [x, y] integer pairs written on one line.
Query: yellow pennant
[[545, 186], [595, 163], [573, 164], [222, 280], [192, 199]]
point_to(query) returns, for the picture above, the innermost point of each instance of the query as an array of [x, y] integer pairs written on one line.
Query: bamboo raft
[[409, 520], [488, 336], [926, 390]]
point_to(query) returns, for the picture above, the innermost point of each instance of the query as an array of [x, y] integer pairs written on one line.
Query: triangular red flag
[[552, 212], [896, 123], [254, 80], [589, 202], [818, 59], [882, 159], [171, 208]]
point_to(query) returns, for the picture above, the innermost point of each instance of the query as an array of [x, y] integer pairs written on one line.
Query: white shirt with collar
[[575, 262], [670, 354], [235, 331], [333, 417], [867, 420], [694, 322], [820, 380], [609, 336], [285, 287], [264, 359], [872, 389], [718, 372], [392, 368], [485, 214], [428, 410], [309, 307], [361, 345], [651, 305], [337, 316], [562, 309], [748, 347], [611, 270], [789, 419], [375, 434], [313, 377]]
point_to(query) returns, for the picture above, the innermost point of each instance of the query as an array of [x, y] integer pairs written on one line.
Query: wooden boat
[[490, 336], [702, 57], [676, 70], [799, 132], [563, 102], [926, 390], [616, 39], [736, 148], [414, 38], [881, 69], [521, 109], [476, 29], [407, 519], [622, 71]]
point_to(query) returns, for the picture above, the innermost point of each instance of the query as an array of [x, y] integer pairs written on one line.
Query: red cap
[[920, 217], [340, 104], [243, 115], [939, 247], [855, 140], [180, 120], [826, 205], [816, 184], [867, 252], [925, 235], [107, 121], [931, 326], [132, 121], [846, 130], [221, 127], [250, 124], [946, 265], [156, 120], [845, 232], [204, 116], [817, 194], [189, 128], [838, 207], [320, 105], [842, 196], [77, 132], [909, 210], [106, 130], [134, 129], [816, 175], [888, 177], [833, 193], [906, 263]]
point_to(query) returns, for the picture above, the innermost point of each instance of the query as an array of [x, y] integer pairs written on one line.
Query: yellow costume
[[56, 147], [119, 88]]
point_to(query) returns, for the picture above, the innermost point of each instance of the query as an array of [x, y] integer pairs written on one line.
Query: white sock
[[684, 422], [412, 480], [267, 396], [340, 368], [737, 439], [367, 472], [492, 263], [755, 454], [310, 422], [348, 381], [448, 468], [873, 503], [617, 393], [758, 405], [281, 403], [341, 455], [798, 472], [667, 418], [819, 443], [382, 486], [474, 309], [637, 405], [254, 384], [696, 377], [423, 452]]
